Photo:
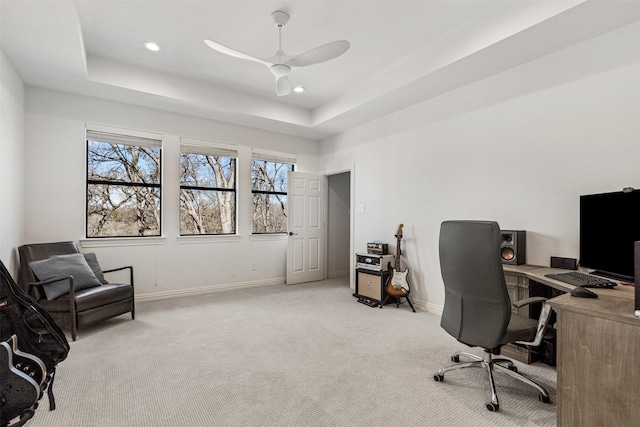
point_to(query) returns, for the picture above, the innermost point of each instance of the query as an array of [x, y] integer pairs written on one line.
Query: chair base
[[491, 364]]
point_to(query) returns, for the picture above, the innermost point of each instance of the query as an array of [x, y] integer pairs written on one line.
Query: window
[[207, 189], [269, 193], [123, 185]]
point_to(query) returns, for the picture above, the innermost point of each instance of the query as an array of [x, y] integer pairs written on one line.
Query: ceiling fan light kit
[[280, 64]]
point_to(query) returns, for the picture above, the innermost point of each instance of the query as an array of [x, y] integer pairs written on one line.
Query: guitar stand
[[396, 300]]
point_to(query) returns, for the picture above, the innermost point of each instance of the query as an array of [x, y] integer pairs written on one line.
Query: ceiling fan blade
[[319, 54], [283, 87], [228, 51]]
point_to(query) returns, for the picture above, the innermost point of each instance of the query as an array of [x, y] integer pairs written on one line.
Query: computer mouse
[[581, 292]]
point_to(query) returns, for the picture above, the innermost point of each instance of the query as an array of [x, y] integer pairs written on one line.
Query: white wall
[[56, 183], [519, 148], [11, 163]]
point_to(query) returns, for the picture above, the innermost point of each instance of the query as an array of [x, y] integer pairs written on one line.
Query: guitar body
[[398, 284], [29, 364], [19, 390]]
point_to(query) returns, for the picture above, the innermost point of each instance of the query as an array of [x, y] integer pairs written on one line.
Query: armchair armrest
[[53, 280], [527, 301], [130, 267], [72, 291]]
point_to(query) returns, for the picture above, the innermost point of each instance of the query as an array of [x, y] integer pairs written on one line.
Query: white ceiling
[[402, 52]]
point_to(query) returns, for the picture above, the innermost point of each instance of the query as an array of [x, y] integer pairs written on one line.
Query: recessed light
[[151, 46], [298, 89]]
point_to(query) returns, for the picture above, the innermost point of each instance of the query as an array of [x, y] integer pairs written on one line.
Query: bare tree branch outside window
[[269, 196], [207, 194], [123, 190]]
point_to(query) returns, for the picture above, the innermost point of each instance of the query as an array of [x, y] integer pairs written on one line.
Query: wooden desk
[[598, 355]]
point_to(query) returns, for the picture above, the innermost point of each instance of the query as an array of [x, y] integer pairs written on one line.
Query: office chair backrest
[[477, 308]]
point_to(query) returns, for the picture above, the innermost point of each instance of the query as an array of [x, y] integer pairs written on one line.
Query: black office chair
[[477, 308]]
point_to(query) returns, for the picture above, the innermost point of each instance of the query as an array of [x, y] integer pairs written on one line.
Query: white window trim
[[105, 242], [273, 156]]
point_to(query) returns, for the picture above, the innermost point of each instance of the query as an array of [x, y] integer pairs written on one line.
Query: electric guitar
[[397, 284], [22, 376]]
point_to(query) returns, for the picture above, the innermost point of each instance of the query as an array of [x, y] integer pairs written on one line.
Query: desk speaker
[[512, 247]]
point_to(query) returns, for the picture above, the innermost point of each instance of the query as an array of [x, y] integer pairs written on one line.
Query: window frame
[[205, 148], [103, 134], [260, 155]]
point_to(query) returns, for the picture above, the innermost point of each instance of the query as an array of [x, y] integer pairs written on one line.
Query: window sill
[[122, 241], [208, 238], [268, 237]]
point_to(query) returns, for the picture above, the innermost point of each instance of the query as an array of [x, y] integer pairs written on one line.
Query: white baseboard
[[337, 273], [207, 289], [428, 307]]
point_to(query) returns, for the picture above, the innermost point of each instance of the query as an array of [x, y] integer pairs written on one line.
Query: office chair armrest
[[527, 301], [545, 313]]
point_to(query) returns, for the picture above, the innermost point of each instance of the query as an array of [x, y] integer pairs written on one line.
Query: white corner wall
[[56, 183], [12, 122], [519, 148]]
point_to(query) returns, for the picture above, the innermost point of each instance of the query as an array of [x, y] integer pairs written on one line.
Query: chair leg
[[74, 327], [544, 395], [494, 405], [74, 322]]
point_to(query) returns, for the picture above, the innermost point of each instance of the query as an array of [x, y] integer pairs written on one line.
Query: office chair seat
[[520, 329]]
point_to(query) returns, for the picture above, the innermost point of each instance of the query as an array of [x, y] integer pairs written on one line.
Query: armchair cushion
[[60, 266], [92, 260]]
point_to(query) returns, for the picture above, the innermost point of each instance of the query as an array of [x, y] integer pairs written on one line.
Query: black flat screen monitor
[[609, 226]]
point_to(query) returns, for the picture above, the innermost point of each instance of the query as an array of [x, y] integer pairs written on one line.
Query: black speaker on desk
[[637, 276], [512, 247]]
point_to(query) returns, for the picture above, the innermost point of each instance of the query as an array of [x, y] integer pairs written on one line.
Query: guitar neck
[[399, 237]]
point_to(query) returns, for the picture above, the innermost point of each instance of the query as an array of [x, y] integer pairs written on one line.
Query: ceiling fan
[[280, 64]]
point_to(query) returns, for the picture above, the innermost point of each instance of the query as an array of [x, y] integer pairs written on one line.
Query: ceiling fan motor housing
[[279, 18], [280, 70]]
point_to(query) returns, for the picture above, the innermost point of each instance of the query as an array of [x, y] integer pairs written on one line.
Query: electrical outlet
[[253, 267]]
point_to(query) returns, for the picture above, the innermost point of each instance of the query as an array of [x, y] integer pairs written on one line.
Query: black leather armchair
[[77, 307], [477, 308]]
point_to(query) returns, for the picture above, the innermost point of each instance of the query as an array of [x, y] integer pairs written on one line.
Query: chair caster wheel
[[455, 358], [438, 378], [543, 398], [493, 407]]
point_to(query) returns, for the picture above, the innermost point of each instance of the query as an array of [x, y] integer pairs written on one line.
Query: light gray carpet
[[302, 355]]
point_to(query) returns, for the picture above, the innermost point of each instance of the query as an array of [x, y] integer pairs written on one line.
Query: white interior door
[[305, 249]]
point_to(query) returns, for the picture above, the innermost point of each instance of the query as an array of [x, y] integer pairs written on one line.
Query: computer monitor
[[609, 226]]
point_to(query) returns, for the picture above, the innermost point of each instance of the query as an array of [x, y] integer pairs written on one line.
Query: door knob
[[291, 233]]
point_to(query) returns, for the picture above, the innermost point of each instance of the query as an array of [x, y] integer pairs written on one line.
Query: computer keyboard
[[576, 278]]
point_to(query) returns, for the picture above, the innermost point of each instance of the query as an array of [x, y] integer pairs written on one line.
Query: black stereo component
[[566, 263], [513, 246], [378, 248]]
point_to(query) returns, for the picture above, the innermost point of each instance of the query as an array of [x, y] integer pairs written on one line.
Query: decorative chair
[[73, 295], [477, 308]]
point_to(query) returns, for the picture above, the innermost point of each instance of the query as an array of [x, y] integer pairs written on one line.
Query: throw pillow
[[92, 260], [64, 265]]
